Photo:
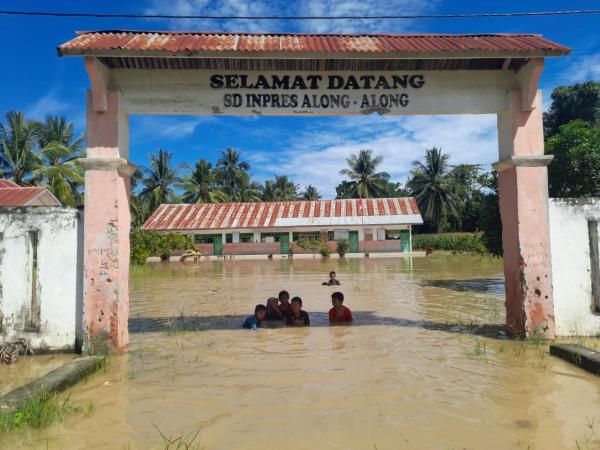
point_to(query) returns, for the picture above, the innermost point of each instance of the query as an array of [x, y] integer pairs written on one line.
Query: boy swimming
[[333, 281], [298, 317], [253, 322], [273, 312], [284, 304], [339, 313]]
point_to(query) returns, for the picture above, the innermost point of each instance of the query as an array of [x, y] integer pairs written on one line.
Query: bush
[[325, 251], [456, 242], [148, 243], [316, 245], [342, 248]]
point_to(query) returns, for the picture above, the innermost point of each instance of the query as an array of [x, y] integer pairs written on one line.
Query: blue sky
[[310, 150]]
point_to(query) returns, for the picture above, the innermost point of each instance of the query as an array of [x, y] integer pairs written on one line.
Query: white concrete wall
[[60, 232], [571, 266]]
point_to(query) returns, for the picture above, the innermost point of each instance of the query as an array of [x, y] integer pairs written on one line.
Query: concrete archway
[[276, 74]]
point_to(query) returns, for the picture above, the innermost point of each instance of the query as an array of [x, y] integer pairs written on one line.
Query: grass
[[590, 439], [41, 411], [479, 349], [181, 442]]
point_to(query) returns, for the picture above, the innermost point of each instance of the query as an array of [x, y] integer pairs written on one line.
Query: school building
[[376, 225]]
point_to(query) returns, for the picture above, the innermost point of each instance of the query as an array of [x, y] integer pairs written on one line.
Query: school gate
[[135, 72]]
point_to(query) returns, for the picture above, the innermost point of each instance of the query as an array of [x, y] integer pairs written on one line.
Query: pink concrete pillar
[[523, 185], [106, 228]]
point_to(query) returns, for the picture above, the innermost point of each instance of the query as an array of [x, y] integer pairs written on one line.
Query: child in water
[[333, 281], [339, 313], [273, 312], [298, 317], [284, 304], [255, 321]]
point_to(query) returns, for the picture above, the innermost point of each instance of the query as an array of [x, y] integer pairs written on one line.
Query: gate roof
[[201, 43]]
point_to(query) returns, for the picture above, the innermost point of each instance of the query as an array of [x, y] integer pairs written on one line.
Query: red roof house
[[12, 194]]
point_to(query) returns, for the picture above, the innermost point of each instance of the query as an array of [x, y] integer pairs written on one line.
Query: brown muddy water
[[426, 365]]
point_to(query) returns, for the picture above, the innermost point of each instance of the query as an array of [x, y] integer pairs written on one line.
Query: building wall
[[260, 248], [59, 275], [370, 240], [571, 266], [389, 246]]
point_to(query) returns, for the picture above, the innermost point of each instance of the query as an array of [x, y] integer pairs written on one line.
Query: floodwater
[[426, 365], [29, 369]]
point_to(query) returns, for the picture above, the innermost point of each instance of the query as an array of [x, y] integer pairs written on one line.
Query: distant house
[[369, 225], [12, 194]]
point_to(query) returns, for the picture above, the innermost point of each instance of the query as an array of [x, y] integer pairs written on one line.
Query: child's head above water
[[284, 296], [337, 299], [260, 311], [272, 303], [332, 275], [296, 304]]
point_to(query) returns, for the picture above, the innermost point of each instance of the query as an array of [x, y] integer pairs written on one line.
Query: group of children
[[281, 309]]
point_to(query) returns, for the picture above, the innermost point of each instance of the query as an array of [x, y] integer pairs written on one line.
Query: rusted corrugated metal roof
[[185, 44], [7, 184], [26, 196], [221, 216]]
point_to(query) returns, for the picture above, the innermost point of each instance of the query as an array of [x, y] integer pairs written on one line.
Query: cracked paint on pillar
[[525, 223], [106, 259]]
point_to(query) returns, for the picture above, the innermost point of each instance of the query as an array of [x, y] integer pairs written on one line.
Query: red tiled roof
[[218, 216], [24, 196], [188, 43]]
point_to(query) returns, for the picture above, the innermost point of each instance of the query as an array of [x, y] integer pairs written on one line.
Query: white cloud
[[316, 155], [585, 68], [298, 8], [149, 128], [50, 103]]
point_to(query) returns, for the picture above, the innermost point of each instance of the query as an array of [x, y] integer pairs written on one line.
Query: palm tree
[[159, 180], [280, 189], [139, 208], [59, 170], [200, 185], [364, 181], [232, 173], [431, 183], [17, 147], [311, 193], [251, 191]]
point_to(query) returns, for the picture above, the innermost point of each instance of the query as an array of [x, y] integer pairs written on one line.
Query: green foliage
[[180, 442], [42, 154], [310, 193], [455, 242], [364, 180], [147, 243], [575, 170], [280, 189], [58, 154], [40, 411], [578, 101], [18, 157], [434, 187], [200, 184], [159, 180], [491, 224], [232, 173], [315, 245], [343, 247]]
